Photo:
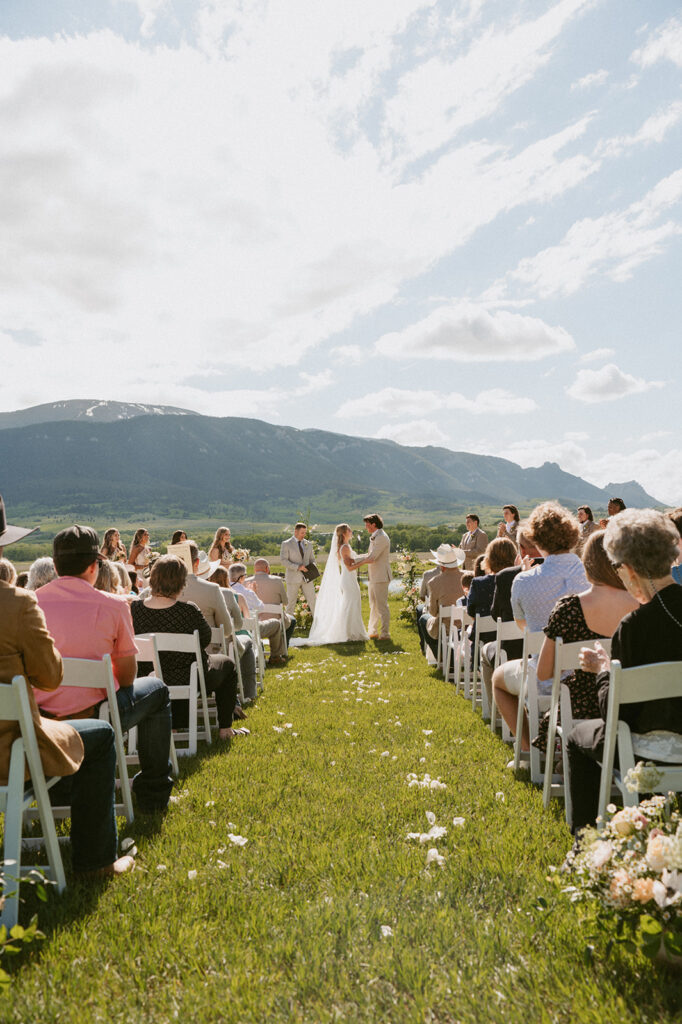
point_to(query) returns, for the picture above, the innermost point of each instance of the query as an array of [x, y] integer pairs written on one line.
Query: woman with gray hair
[[642, 546], [41, 572]]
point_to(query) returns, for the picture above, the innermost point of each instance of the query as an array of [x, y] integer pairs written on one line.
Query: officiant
[[298, 558]]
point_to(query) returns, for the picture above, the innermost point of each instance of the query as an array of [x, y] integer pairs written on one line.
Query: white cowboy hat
[[11, 534], [448, 556], [205, 566]]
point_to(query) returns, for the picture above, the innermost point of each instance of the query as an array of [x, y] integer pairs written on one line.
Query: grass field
[[329, 912]]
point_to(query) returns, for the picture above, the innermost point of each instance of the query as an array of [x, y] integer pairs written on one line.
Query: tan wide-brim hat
[[10, 534], [448, 557]]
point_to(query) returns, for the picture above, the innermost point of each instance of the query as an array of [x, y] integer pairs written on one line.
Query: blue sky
[[452, 223]]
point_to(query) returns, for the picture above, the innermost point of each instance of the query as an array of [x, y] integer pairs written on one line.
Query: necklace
[[665, 609]]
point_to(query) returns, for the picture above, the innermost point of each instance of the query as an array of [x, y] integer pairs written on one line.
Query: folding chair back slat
[[532, 644], [147, 651], [193, 691]]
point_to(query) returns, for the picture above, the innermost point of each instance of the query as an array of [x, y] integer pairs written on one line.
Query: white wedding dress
[[338, 608]]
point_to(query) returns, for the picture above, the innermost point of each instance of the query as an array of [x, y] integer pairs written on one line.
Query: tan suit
[[473, 544], [429, 575], [290, 557], [379, 571], [444, 590], [27, 649]]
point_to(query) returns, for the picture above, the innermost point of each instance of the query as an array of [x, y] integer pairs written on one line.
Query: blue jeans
[[146, 704], [424, 636], [90, 792]]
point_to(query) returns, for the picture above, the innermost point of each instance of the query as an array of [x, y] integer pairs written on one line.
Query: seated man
[[81, 751], [443, 590], [271, 590], [419, 610], [211, 602], [87, 623], [269, 626]]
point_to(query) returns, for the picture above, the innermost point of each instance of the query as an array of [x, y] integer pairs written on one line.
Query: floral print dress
[[567, 621]]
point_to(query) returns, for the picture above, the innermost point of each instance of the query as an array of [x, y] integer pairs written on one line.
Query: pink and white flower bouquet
[[632, 869]]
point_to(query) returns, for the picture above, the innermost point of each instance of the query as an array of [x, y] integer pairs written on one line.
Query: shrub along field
[[328, 911]]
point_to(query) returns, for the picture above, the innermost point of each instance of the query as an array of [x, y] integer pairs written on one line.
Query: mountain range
[[82, 457]]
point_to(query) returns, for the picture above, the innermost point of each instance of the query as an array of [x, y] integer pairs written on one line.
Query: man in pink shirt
[[88, 623]]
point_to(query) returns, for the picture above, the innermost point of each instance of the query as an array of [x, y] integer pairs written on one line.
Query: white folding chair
[[532, 644], [482, 624], [147, 651], [86, 672], [451, 652], [445, 613], [277, 611], [505, 631], [14, 801], [194, 691], [253, 626], [566, 659], [634, 686], [219, 637]]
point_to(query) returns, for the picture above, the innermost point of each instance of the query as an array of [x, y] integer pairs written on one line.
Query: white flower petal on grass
[[210, 803], [414, 835], [430, 817], [434, 857], [385, 753], [422, 760], [192, 874], [394, 758], [231, 825], [212, 824], [427, 732], [458, 821], [221, 864], [278, 728], [426, 743], [288, 725], [386, 931], [500, 796], [161, 867], [237, 840]]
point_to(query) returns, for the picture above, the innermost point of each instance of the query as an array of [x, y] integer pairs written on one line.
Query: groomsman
[[295, 554]]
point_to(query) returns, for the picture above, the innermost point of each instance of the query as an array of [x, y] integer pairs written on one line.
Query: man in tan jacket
[[82, 750], [443, 590], [379, 562]]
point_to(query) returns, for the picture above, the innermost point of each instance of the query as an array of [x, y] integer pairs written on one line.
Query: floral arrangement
[[633, 870], [408, 570], [304, 616], [241, 555]]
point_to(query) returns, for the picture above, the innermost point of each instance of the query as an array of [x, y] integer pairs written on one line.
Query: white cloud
[[596, 354], [663, 44], [588, 81], [470, 334], [401, 402], [607, 384], [654, 129], [352, 355], [417, 433], [613, 245], [149, 11]]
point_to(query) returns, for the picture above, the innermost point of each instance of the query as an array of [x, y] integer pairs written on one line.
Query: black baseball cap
[[77, 540]]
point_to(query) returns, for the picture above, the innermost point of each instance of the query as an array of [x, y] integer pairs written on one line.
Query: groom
[[379, 576]]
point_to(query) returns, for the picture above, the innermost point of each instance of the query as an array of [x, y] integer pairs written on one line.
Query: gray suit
[[290, 557]]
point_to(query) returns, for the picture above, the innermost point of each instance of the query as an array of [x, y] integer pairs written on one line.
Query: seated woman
[[8, 573], [500, 554], [108, 579], [140, 550], [642, 546], [162, 612], [221, 549], [42, 571], [592, 615], [112, 548], [554, 532]]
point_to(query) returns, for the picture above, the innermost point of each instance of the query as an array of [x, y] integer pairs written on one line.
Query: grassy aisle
[[328, 912]]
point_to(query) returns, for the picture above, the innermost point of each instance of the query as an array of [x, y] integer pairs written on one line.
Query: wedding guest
[[554, 531], [140, 550], [479, 569], [21, 580], [642, 545], [178, 537], [511, 522], [107, 578], [8, 574], [593, 614], [444, 590], [221, 549], [271, 590], [124, 583], [614, 506], [500, 554], [112, 548], [473, 542], [243, 639], [87, 623], [164, 612], [676, 518], [80, 751], [467, 578], [270, 627], [40, 572]]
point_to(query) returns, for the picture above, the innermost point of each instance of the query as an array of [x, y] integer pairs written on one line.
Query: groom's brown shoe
[[374, 636]]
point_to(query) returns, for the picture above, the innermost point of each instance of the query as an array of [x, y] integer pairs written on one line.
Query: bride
[[338, 609]]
